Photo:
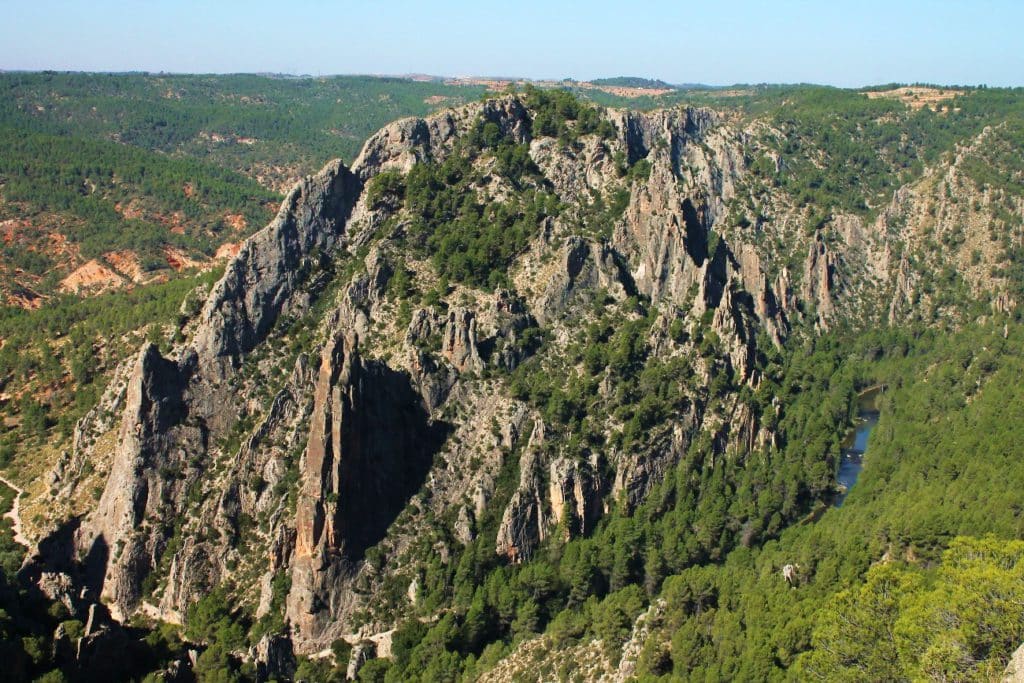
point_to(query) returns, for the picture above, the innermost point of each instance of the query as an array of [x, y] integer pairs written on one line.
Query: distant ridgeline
[[634, 82]]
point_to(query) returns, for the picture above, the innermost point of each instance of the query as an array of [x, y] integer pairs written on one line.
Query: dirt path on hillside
[[14, 514]]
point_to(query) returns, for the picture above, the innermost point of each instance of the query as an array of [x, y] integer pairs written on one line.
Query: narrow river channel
[[856, 444]]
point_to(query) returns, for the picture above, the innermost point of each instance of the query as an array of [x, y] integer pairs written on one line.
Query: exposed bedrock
[[371, 443]]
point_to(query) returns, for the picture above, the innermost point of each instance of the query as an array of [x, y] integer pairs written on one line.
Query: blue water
[[853, 455]]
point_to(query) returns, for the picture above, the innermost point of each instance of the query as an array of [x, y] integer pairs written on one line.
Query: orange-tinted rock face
[[127, 263], [91, 276], [227, 250], [323, 452], [179, 260], [236, 221], [370, 445]]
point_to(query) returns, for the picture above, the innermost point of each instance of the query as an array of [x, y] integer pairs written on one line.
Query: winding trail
[[14, 514]]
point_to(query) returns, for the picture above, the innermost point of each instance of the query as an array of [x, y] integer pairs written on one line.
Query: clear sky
[[719, 42]]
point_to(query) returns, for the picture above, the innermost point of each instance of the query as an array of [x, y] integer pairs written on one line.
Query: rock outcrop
[[635, 475], [819, 282], [118, 558], [313, 415], [259, 283], [459, 342], [583, 267], [371, 442], [274, 658], [524, 523], [571, 500], [575, 495], [405, 143], [732, 322]]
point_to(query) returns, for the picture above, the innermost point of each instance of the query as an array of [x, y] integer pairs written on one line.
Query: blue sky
[[709, 41]]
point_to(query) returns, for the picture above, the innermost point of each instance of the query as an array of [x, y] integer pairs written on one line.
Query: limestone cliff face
[[369, 449], [733, 322], [819, 280], [319, 539], [524, 524], [138, 488], [175, 407], [403, 144], [636, 475], [771, 301], [314, 427], [459, 343], [582, 267], [694, 167], [575, 494], [259, 283]]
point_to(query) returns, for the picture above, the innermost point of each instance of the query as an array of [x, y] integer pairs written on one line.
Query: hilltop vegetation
[[278, 128], [634, 82]]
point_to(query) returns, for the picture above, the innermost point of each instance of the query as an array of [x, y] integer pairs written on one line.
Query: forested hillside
[[275, 129], [137, 176], [941, 472], [533, 389]]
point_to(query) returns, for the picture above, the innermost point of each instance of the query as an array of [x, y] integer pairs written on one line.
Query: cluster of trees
[[959, 621], [470, 240], [514, 161], [560, 114], [632, 82], [214, 623], [614, 349]]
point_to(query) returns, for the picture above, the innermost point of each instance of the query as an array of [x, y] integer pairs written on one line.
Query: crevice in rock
[[694, 236]]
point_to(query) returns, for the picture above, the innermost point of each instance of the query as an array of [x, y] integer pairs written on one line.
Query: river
[[856, 444]]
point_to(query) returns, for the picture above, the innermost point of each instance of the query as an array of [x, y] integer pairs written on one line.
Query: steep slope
[[504, 330]]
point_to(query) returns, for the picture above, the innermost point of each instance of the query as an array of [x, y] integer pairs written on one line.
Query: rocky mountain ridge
[[318, 424]]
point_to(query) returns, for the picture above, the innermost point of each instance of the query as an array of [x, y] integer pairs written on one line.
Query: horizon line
[[425, 77]]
